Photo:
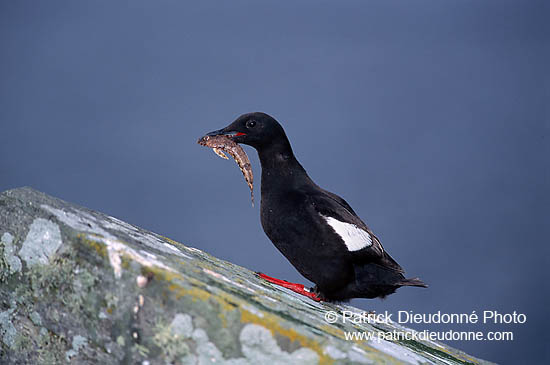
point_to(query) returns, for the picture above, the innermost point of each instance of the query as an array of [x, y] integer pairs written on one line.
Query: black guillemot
[[316, 230]]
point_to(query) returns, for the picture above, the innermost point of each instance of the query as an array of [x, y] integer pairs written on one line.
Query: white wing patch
[[354, 237]]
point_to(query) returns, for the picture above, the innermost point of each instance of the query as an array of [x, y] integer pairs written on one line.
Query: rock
[[82, 287]]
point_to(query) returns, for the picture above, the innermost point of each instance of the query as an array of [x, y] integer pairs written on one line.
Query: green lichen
[[171, 338], [259, 347], [66, 282], [78, 343], [47, 280], [4, 267], [9, 262], [39, 344], [8, 331], [140, 350], [41, 243], [65, 286], [51, 348], [36, 319], [121, 341], [111, 302]]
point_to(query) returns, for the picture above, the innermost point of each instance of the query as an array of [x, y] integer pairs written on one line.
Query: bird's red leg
[[297, 288]]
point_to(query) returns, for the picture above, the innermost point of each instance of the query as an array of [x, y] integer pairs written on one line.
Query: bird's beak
[[218, 132], [224, 132]]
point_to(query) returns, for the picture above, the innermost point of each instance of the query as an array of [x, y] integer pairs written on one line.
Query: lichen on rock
[[7, 329], [42, 241], [9, 261], [77, 286], [78, 343]]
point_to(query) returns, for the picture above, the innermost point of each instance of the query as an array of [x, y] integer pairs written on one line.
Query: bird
[[317, 231]]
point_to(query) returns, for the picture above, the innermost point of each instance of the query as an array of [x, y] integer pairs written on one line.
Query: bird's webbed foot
[[297, 288]]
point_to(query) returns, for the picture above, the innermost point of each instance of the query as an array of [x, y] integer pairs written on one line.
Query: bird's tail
[[413, 282], [373, 280]]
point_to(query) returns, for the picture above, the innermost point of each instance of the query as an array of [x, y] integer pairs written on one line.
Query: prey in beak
[[222, 141]]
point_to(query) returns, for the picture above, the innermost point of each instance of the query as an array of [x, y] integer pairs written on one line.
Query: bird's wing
[[343, 220], [360, 241], [340, 201]]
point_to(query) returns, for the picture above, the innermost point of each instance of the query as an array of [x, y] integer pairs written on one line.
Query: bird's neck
[[279, 164]]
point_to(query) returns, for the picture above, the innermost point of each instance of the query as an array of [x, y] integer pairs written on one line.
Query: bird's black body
[[295, 215]]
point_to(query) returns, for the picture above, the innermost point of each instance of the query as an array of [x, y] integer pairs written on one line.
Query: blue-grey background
[[430, 118]]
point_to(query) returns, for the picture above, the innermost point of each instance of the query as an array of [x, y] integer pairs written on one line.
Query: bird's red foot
[[297, 288]]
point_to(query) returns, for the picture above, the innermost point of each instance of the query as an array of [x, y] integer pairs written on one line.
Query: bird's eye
[[251, 124]]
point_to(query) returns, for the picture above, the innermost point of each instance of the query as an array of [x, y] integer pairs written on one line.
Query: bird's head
[[258, 130]]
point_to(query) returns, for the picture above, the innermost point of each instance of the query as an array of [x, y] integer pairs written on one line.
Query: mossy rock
[[77, 286]]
